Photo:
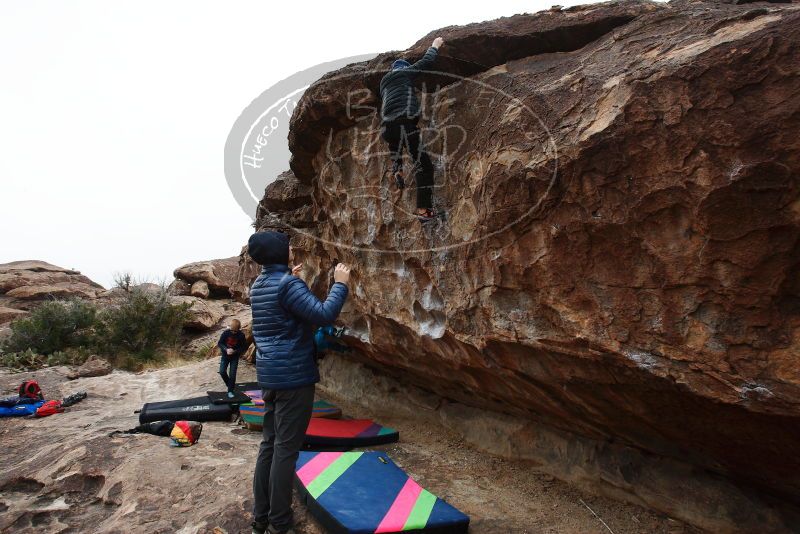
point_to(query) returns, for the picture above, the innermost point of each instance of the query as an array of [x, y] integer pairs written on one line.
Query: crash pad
[[221, 397], [195, 409], [247, 386], [253, 413], [347, 433], [366, 492]]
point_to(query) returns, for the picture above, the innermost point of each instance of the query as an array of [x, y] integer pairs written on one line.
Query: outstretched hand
[[341, 274], [437, 43]]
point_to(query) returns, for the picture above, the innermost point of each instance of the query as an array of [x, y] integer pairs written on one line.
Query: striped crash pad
[[366, 492], [348, 433], [253, 413]]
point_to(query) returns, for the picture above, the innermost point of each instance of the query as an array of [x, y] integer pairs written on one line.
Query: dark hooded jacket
[[398, 100], [285, 316]]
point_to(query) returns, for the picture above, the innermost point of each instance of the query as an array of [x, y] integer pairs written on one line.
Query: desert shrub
[[70, 356], [124, 280], [22, 361], [140, 322], [137, 326], [28, 360], [53, 326]]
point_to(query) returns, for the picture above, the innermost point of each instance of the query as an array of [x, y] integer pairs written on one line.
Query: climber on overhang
[[400, 112]]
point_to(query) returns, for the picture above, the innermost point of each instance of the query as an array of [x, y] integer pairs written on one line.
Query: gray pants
[[286, 416]]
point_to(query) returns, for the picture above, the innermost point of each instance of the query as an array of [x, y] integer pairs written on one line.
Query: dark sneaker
[[259, 528], [273, 530]]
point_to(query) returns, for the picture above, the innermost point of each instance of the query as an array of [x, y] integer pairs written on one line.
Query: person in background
[[285, 316], [232, 344], [325, 340]]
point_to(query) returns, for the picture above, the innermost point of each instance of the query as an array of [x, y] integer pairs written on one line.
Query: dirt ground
[[65, 474]]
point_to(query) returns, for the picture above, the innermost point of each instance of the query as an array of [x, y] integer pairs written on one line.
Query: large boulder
[[621, 249], [218, 274], [199, 289], [9, 314], [93, 366], [202, 314], [24, 284], [179, 287]]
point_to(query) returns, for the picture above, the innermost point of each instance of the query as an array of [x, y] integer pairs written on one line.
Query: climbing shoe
[[397, 172], [230, 394], [259, 528], [428, 216]]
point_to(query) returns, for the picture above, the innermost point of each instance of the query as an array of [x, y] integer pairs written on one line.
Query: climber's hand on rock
[[296, 269], [437, 43], [341, 274]]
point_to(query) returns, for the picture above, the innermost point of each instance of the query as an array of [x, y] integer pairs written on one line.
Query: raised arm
[[429, 58], [300, 301]]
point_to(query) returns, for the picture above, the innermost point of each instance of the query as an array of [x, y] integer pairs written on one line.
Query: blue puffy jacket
[[285, 315]]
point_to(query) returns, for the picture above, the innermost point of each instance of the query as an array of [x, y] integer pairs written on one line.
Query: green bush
[[132, 329], [53, 326], [141, 321]]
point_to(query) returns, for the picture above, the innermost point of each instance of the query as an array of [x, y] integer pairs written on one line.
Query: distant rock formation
[[24, 284], [217, 275], [207, 287], [620, 257]]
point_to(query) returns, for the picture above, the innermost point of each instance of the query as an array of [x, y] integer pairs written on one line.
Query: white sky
[[114, 116]]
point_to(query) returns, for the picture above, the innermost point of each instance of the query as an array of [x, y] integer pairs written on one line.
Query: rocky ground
[[64, 474]]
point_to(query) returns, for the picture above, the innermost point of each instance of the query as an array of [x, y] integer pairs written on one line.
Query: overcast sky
[[114, 116]]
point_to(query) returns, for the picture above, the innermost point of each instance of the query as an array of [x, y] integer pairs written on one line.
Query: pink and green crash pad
[[366, 492]]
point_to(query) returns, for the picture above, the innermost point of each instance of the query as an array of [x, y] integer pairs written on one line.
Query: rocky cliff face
[[621, 249], [25, 284]]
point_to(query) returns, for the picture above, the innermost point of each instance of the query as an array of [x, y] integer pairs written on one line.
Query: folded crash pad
[[366, 492], [195, 409], [221, 397], [253, 413], [347, 433]]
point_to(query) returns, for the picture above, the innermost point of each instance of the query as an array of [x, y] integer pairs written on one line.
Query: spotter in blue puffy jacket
[[285, 316]]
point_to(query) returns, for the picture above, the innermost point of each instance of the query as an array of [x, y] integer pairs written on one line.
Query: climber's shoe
[[428, 216], [259, 528], [397, 172], [230, 394], [273, 530]]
